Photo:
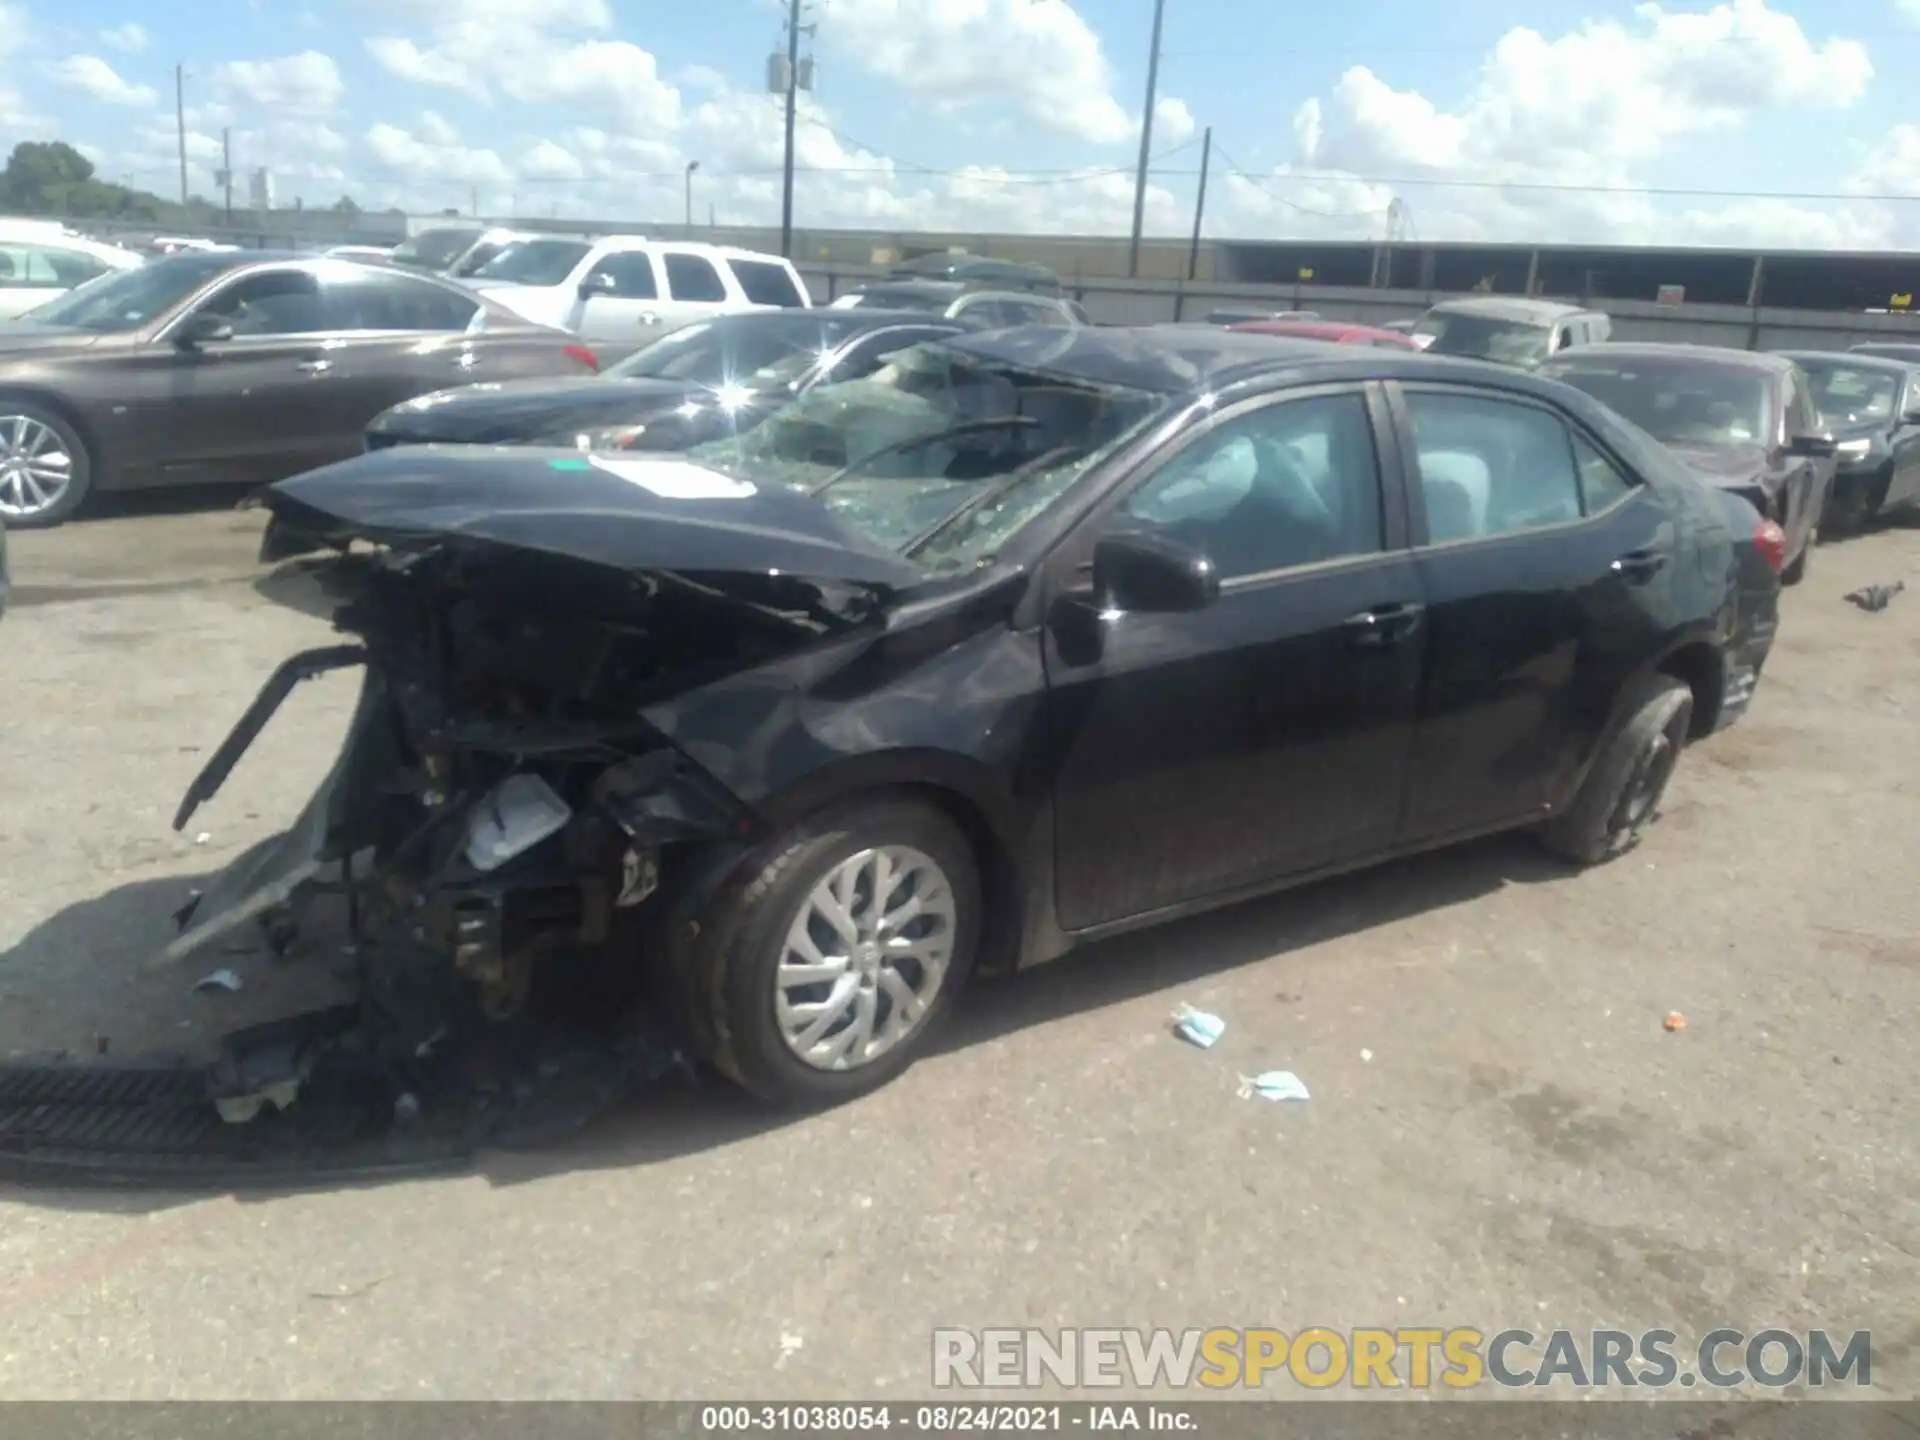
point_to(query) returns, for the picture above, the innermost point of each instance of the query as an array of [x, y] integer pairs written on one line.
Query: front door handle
[[1639, 566], [1384, 624], [314, 367]]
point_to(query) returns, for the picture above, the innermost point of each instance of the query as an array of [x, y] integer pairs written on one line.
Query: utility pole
[[1200, 203], [692, 165], [226, 174], [1146, 143], [180, 118], [793, 92]]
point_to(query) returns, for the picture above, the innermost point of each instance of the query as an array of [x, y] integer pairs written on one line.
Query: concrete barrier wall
[[1148, 302]]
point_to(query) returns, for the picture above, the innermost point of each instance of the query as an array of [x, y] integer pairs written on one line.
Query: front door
[[258, 406], [1266, 735], [622, 305], [1532, 629]]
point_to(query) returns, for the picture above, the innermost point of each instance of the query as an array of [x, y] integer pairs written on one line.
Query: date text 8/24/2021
[[942, 1419]]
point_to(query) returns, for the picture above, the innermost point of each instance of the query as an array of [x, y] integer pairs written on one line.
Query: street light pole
[[692, 165], [1146, 142], [793, 91]]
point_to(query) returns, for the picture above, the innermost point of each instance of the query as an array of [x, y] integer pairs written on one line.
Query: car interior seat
[[1457, 486]]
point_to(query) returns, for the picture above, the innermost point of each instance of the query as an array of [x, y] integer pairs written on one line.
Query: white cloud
[[548, 161], [1173, 122], [308, 83], [1041, 61], [100, 81], [409, 157], [130, 38]]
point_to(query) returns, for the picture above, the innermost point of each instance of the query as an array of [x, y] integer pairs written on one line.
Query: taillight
[[1771, 541], [585, 356]]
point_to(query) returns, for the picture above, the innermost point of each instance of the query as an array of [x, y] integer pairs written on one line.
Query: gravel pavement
[[1501, 1132]]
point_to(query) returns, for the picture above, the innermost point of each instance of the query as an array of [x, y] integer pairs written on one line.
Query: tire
[[739, 961], [29, 435], [1622, 792]]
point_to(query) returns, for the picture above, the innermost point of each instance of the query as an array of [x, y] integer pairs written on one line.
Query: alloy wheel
[[35, 468], [865, 958]]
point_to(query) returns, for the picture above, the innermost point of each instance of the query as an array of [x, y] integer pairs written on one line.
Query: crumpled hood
[[518, 411], [639, 513], [1730, 465]]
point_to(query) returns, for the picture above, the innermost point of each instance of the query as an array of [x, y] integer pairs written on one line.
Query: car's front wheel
[[1622, 792], [826, 973], [45, 470]]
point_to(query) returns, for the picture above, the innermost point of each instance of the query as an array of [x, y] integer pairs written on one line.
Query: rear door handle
[[1639, 565], [314, 367], [1385, 624], [647, 317]]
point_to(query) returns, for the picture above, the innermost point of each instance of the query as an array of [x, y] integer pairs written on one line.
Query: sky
[[1776, 123]]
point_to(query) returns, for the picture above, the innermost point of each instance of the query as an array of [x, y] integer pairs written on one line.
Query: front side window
[[1290, 484], [269, 302], [1491, 467], [692, 277]]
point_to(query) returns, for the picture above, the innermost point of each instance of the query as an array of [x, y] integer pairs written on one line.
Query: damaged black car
[[1029, 638]]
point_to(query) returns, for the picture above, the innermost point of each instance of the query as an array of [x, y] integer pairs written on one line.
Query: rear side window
[[1602, 486], [765, 283], [386, 301], [1491, 467], [692, 277]]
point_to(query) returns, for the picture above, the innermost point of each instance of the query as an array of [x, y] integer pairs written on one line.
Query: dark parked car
[[1116, 625], [1870, 404], [235, 367], [1740, 420], [700, 382], [979, 270]]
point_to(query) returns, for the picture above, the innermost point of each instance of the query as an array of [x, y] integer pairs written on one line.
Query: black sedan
[[1744, 421], [1871, 406], [1057, 634], [234, 367], [703, 381]]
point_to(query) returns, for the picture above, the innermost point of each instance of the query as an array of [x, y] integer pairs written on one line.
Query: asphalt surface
[[1501, 1132]]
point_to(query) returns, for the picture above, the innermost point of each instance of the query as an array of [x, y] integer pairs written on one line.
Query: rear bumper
[[1742, 663]]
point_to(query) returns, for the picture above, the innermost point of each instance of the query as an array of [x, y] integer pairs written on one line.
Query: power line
[[1235, 168]]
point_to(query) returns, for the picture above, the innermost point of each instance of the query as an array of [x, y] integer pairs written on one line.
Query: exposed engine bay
[[500, 814]]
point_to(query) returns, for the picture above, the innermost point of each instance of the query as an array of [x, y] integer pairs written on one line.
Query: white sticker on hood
[[676, 479]]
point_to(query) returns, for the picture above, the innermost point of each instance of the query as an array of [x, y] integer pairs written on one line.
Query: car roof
[[1854, 359], [1024, 297], [1191, 359], [1318, 329], [1720, 356], [1511, 307]]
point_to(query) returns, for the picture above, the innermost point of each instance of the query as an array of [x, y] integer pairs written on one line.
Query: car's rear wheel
[[1622, 792], [828, 971], [45, 470]]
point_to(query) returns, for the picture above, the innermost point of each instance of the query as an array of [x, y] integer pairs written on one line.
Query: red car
[[1338, 331]]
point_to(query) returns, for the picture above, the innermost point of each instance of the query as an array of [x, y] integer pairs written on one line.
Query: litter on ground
[[1198, 1027], [1273, 1085]]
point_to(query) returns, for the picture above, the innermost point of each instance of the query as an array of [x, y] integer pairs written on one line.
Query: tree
[[51, 177], [345, 206]]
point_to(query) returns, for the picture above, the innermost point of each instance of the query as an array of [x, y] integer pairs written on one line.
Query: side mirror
[[598, 283], [1813, 447], [203, 329], [1149, 574]]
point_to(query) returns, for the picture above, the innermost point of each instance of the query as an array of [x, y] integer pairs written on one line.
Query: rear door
[[259, 406], [1266, 735], [628, 311], [771, 283], [395, 336], [1547, 569]]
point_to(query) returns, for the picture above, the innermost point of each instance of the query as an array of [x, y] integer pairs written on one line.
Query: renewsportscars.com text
[[1401, 1357]]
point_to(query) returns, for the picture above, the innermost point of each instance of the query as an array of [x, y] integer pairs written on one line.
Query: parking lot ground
[[1501, 1133]]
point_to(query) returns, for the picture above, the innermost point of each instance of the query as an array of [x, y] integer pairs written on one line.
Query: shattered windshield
[[1678, 403], [1480, 337], [930, 434], [1851, 394]]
